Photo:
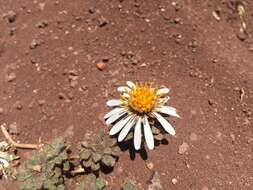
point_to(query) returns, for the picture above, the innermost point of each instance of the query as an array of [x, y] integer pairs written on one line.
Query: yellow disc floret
[[143, 98]]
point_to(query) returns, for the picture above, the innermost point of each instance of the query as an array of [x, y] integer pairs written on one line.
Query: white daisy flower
[[138, 103]]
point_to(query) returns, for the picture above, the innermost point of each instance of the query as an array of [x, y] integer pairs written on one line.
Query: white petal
[[137, 134], [114, 117], [148, 134], [131, 84], [126, 129], [118, 126], [114, 102], [163, 100], [126, 95], [165, 124], [112, 112], [163, 91], [123, 89], [168, 110]]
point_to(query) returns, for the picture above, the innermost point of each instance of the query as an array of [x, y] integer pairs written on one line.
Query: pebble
[[211, 102], [102, 22], [42, 24], [18, 105], [11, 77], [174, 181], [62, 96], [193, 137], [11, 16], [34, 44], [150, 165], [101, 66], [183, 148], [204, 188], [193, 44]]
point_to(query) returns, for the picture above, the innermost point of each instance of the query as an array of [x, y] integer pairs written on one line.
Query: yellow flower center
[[143, 98]]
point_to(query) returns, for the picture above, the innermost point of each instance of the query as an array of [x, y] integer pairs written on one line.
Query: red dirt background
[[50, 85]]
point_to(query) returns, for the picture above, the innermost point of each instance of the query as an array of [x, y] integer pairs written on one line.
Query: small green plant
[[96, 153], [46, 168], [91, 182]]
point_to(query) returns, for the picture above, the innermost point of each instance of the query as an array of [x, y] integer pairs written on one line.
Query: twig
[[242, 94], [78, 171], [15, 144]]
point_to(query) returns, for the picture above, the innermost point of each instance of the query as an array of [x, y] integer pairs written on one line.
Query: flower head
[[138, 104]]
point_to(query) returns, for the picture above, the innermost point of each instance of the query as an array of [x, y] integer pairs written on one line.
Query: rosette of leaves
[[46, 168], [91, 182], [96, 153]]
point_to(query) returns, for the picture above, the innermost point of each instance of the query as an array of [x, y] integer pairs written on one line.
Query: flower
[[138, 103]]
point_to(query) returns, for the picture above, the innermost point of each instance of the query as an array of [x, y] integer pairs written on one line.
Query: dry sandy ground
[[50, 85]]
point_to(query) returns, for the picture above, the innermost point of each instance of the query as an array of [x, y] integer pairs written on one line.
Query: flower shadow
[[128, 145]]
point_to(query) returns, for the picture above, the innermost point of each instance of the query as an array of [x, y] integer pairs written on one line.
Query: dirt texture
[[61, 60]]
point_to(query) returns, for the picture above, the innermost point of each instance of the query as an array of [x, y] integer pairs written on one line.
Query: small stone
[[62, 96], [103, 22], [211, 102], [101, 66], [34, 44], [33, 60], [193, 137], [183, 148], [11, 16], [11, 77], [12, 31], [205, 188], [91, 10], [174, 181], [18, 105], [42, 24], [177, 20], [193, 44], [150, 165]]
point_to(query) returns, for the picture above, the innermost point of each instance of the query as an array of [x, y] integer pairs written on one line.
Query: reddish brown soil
[[180, 46]]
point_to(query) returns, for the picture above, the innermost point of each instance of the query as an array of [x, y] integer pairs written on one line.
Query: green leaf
[[108, 161], [85, 154]]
